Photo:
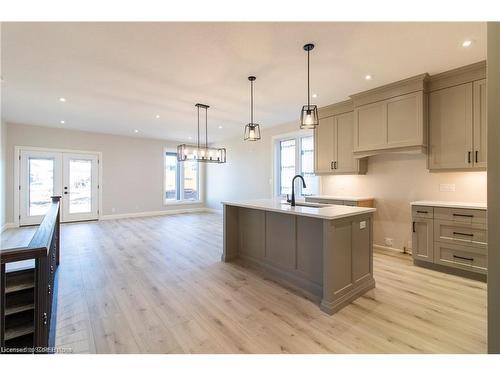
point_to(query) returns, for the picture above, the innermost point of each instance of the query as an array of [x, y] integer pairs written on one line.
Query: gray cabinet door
[[324, 151], [405, 120], [450, 124], [423, 239], [345, 162], [370, 127], [480, 124]]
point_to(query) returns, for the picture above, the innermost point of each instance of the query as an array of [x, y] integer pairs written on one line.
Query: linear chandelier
[[200, 152]]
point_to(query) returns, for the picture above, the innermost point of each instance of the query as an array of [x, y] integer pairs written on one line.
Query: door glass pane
[[41, 185], [307, 163], [80, 186], [191, 180], [287, 165], [170, 176]]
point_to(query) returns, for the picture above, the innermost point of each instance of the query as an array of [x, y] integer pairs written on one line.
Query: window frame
[[276, 161], [180, 182]]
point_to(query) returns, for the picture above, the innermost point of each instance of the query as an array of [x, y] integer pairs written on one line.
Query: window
[[295, 155], [181, 179]]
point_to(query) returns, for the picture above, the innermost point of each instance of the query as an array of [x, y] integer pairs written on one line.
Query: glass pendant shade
[[309, 117], [252, 132], [203, 154]]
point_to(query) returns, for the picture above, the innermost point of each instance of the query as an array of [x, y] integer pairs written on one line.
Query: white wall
[[3, 156], [394, 180], [132, 166], [247, 174]]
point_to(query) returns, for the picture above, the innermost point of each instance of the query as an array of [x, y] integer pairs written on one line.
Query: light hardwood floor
[[156, 285]]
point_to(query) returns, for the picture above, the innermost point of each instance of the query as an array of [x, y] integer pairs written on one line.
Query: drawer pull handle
[[464, 258], [463, 215], [464, 234], [413, 226], [422, 212]]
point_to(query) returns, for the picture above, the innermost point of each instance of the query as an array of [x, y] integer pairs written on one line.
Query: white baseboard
[[153, 213], [390, 249], [214, 211], [9, 226]]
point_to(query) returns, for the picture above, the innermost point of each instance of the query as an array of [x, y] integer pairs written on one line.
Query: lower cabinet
[[451, 237], [422, 239]]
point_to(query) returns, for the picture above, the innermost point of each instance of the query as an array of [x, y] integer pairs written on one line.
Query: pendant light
[[200, 152], [252, 130], [309, 115]]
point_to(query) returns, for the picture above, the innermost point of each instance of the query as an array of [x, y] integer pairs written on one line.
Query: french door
[[43, 174]]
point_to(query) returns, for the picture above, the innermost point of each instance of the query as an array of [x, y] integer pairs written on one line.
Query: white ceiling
[[117, 77]]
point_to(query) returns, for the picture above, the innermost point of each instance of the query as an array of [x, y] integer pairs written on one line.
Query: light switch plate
[[362, 224], [446, 187]]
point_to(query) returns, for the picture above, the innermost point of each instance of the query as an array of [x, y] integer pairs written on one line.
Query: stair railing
[[44, 249]]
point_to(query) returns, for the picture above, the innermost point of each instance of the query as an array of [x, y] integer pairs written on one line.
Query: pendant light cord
[[251, 100], [198, 127], [308, 92], [206, 127]]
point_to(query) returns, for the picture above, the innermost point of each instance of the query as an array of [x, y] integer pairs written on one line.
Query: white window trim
[[275, 177], [201, 176]]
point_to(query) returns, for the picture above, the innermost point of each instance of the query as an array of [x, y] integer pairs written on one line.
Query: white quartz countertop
[[329, 213], [468, 205], [341, 198]]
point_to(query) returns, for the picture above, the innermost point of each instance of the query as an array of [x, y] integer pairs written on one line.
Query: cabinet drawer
[[424, 212], [458, 256], [460, 215], [472, 234]]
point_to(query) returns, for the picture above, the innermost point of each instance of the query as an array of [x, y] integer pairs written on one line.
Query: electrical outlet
[[447, 187], [362, 224], [113, 209], [388, 242]]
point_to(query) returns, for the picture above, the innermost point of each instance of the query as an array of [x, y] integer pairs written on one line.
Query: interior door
[[80, 187], [40, 178]]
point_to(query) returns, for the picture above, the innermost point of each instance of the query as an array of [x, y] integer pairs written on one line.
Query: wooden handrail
[[44, 249], [40, 243]]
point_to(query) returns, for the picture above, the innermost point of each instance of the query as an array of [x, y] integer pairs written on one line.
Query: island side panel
[[347, 260], [231, 233]]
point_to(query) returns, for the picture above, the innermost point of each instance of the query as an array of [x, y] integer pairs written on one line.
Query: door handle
[[335, 164], [331, 165], [468, 157], [477, 158], [413, 226]]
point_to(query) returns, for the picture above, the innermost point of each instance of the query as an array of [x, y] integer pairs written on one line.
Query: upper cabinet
[[457, 119], [333, 138], [391, 118]]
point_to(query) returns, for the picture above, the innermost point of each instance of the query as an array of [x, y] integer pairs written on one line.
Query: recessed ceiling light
[[157, 116], [368, 77], [136, 131], [467, 43], [61, 99], [315, 95], [63, 122], [220, 126]]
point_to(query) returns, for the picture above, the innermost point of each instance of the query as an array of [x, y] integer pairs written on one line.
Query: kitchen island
[[324, 252]]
